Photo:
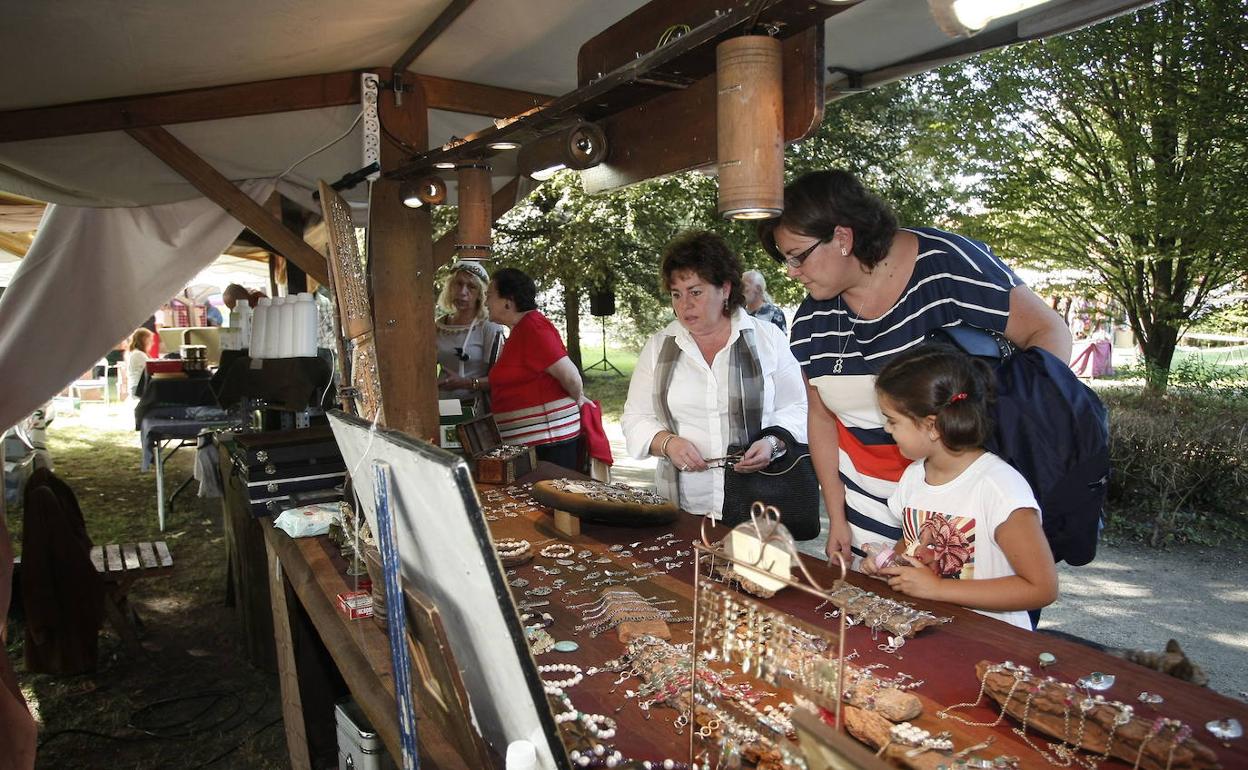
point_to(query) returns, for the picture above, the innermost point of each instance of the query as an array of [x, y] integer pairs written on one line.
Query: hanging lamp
[[750, 111]]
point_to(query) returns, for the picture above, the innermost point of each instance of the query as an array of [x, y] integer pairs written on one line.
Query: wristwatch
[[775, 445]]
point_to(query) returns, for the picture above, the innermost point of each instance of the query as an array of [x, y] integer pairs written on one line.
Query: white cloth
[[136, 362], [90, 278], [698, 399], [964, 515]]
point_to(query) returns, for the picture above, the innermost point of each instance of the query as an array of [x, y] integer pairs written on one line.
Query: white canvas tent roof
[[127, 231]]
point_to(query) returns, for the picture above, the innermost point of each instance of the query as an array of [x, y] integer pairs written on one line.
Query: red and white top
[[530, 406]]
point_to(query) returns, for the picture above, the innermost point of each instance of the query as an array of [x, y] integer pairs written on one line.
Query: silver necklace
[[840, 357]]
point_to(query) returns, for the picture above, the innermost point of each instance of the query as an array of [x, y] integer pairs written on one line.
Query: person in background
[[234, 293], [970, 524], [876, 290], [137, 358], [535, 388], [468, 342], [758, 301], [702, 370]]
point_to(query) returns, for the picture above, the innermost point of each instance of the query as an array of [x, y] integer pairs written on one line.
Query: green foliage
[[1120, 149], [1179, 468], [562, 236]]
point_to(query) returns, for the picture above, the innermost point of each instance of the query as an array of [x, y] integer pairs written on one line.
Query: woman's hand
[[840, 539], [684, 455], [915, 580], [757, 457]]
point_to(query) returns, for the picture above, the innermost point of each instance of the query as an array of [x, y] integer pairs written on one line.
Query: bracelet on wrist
[[663, 446]]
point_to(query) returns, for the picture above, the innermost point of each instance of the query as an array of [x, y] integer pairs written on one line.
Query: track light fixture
[[577, 147], [963, 18], [428, 190]]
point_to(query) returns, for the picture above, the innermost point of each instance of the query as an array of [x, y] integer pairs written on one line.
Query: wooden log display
[[1103, 728]]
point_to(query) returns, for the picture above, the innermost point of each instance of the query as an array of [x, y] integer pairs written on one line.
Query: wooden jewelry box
[[492, 461]]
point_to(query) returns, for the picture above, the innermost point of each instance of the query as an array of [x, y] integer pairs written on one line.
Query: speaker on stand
[[602, 304]]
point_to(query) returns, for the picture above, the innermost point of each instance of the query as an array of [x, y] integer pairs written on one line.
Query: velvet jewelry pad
[[605, 503]]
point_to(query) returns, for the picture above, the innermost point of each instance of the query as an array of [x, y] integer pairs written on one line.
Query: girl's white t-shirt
[[953, 526]]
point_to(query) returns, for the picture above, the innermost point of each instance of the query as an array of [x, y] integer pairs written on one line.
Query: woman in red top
[[535, 388]]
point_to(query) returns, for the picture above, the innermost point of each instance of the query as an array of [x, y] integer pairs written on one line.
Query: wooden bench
[[119, 566]]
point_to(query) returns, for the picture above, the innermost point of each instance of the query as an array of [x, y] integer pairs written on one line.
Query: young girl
[[970, 524]]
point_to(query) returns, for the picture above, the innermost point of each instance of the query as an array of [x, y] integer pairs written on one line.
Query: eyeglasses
[[724, 462], [796, 260]]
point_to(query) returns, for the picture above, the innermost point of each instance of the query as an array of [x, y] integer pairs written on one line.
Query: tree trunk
[[1158, 347], [572, 314]]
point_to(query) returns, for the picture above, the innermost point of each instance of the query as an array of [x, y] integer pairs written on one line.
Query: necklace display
[[614, 493], [773, 647], [1102, 728]]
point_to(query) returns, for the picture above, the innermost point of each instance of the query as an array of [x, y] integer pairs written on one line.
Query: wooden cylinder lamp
[[750, 111], [475, 211]]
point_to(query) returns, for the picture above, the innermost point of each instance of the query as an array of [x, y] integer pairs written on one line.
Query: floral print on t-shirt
[[944, 542]]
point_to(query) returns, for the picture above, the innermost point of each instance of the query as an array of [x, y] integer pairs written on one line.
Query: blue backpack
[[1054, 430]]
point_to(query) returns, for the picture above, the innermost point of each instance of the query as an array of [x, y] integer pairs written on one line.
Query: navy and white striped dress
[[956, 281]]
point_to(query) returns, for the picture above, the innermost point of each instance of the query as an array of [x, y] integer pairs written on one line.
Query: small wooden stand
[[567, 524]]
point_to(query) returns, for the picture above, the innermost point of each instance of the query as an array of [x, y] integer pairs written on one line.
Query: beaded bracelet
[[557, 686], [510, 546], [558, 551]]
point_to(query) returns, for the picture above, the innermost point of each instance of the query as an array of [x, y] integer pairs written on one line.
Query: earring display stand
[[603, 363]]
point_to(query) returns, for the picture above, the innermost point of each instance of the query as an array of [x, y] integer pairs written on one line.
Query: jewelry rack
[[764, 525]]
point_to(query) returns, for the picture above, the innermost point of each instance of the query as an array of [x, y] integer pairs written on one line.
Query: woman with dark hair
[[702, 380], [875, 290], [535, 388]]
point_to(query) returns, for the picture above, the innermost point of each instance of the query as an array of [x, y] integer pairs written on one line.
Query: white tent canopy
[[75, 51]]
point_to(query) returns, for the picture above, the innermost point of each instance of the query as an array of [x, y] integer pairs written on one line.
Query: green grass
[[607, 387]]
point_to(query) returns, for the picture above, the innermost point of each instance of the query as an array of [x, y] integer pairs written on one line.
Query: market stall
[[943, 673]]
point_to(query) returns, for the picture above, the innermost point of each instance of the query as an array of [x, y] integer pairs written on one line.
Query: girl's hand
[[685, 456], [915, 580], [757, 457], [840, 540], [867, 566]]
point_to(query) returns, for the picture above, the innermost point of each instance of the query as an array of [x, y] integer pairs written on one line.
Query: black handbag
[[788, 483]]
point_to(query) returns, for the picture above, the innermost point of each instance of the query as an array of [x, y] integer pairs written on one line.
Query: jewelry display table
[[938, 665], [943, 658]]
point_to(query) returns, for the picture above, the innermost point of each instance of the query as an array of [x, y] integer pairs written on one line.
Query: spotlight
[[429, 190], [578, 147], [963, 18]]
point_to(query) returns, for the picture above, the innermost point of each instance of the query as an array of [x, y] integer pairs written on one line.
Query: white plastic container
[[240, 319], [260, 328], [275, 334], [305, 325]]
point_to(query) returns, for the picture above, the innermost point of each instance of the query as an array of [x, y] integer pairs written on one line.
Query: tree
[[1120, 148], [560, 235]]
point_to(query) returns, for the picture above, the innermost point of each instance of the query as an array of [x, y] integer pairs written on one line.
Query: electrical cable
[[323, 148]]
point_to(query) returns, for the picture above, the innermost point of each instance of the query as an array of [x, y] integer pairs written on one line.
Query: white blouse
[[698, 401]]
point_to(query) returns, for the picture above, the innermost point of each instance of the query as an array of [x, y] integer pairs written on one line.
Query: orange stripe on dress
[[881, 461]]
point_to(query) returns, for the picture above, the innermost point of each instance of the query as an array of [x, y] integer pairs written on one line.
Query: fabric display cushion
[[614, 504], [512, 552]]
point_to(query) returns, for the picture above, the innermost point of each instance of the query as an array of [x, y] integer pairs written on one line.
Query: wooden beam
[[15, 243], [477, 99], [502, 202], [259, 98], [222, 191], [400, 263], [676, 132], [449, 14]]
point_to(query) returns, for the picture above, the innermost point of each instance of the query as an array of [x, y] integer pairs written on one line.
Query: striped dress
[[956, 281]]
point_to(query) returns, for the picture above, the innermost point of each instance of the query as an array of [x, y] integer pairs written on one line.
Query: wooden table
[[305, 576], [310, 574], [943, 657]]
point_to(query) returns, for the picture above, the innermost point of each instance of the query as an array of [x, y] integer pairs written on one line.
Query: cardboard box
[[356, 604]]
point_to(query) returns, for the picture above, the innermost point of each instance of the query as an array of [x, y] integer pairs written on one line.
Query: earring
[[725, 305], [844, 252]]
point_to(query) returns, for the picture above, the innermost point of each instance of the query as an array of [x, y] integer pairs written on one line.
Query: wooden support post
[[567, 524], [401, 266]]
